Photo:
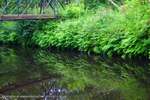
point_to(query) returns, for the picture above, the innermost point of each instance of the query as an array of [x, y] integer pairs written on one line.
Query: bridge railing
[[33, 7]]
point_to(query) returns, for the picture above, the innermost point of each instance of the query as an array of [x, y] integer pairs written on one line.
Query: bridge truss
[[29, 9]]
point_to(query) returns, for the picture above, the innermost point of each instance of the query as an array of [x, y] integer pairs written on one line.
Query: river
[[59, 75]]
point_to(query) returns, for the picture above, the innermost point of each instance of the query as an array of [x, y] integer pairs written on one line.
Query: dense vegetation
[[94, 26]]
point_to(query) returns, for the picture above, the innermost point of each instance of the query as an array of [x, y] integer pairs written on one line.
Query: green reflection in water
[[86, 78]]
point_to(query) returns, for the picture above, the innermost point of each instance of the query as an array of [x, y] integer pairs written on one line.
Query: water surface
[[54, 75]]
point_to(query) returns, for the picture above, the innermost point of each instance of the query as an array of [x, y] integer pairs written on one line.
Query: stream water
[[33, 74]]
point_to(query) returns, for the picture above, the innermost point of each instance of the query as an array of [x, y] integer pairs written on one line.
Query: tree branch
[[114, 4]]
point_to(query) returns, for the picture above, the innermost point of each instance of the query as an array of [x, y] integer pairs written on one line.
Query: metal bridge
[[29, 9]]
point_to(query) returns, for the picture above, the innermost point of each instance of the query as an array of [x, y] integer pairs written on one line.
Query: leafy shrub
[[73, 11], [8, 32], [107, 31], [125, 32], [93, 4]]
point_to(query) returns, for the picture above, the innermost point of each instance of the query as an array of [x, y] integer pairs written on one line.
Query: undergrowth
[[124, 32]]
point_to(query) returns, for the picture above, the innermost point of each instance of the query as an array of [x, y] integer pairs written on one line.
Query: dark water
[[50, 75]]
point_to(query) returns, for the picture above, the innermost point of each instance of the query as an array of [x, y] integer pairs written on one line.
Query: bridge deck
[[25, 17]]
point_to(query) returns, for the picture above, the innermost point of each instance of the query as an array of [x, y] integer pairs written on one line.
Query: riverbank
[[102, 31]]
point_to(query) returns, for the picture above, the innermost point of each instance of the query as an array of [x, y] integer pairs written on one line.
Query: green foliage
[[7, 32], [73, 11], [6, 37], [125, 32], [107, 31], [19, 32], [26, 29], [94, 3]]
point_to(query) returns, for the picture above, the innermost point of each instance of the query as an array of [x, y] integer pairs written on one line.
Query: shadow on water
[[39, 74]]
